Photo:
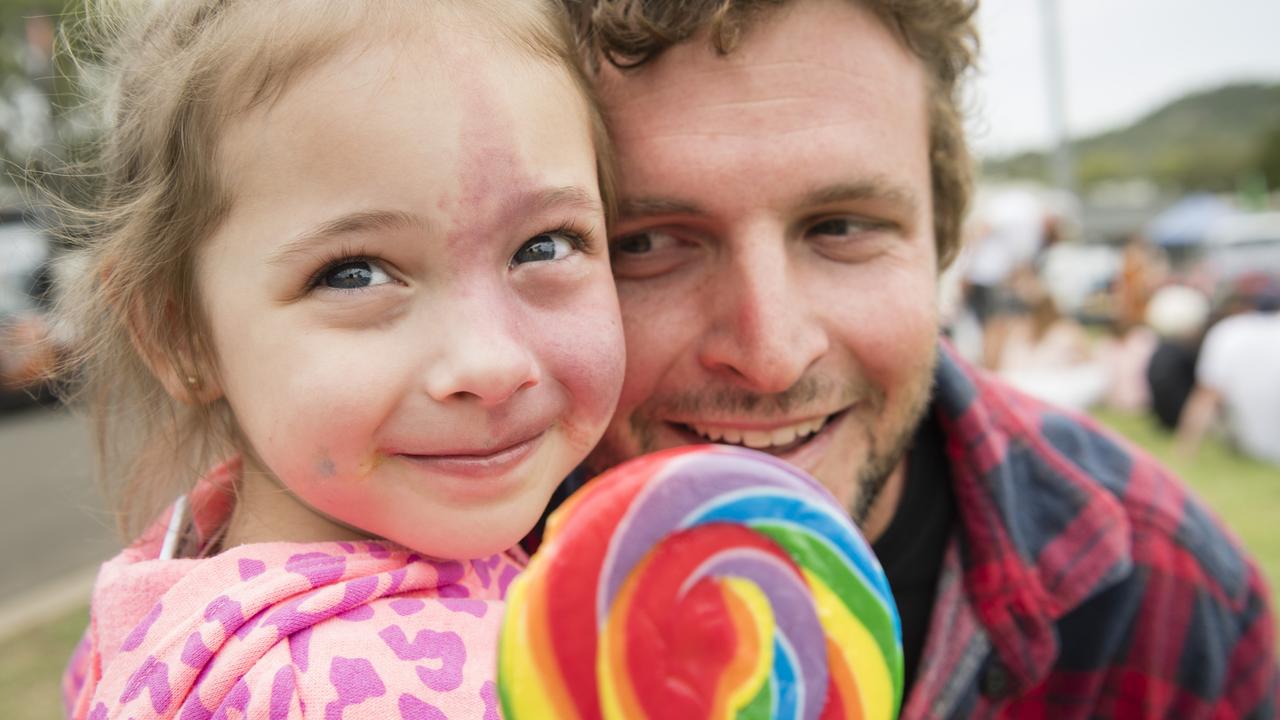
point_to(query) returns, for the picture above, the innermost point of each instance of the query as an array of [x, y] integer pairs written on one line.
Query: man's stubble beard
[[872, 475]]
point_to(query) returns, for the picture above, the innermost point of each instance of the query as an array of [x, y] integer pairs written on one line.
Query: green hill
[[1212, 140]]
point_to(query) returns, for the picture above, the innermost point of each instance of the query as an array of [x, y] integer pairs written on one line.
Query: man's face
[[775, 253]]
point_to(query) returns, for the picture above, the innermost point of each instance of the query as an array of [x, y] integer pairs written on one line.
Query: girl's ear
[[170, 357]]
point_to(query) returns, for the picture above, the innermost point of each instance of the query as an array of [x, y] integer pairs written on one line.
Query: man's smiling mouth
[[777, 440]]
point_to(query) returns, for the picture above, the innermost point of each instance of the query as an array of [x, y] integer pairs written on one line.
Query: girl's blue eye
[[543, 247], [354, 275]]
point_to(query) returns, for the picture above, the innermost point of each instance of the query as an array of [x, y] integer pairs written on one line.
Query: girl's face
[[411, 304]]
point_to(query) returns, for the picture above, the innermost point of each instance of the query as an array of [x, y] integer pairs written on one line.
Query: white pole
[[1061, 165]]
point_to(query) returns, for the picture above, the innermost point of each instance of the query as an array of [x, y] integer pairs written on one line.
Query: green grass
[[1244, 493], [31, 666]]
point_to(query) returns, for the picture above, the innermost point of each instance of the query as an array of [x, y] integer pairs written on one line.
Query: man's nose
[[765, 332], [481, 356]]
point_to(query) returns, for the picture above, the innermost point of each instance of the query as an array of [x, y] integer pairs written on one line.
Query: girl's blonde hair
[[180, 70]]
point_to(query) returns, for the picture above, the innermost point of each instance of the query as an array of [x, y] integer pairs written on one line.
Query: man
[[1236, 375], [793, 178]]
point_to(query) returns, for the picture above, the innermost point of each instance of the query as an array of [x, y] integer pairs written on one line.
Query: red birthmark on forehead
[[492, 173]]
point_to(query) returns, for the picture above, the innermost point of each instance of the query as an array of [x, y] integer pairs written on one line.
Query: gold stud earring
[[193, 381]]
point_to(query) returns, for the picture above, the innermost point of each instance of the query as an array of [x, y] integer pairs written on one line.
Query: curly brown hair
[[941, 33]]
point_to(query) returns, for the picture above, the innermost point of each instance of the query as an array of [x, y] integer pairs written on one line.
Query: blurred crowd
[[1180, 320]]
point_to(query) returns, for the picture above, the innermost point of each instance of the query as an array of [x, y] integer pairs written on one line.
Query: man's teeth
[[759, 439]]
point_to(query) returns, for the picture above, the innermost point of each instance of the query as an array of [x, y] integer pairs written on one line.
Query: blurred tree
[[1103, 164], [1269, 158], [41, 117], [1205, 141]]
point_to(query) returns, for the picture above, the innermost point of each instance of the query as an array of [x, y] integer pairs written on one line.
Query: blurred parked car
[[25, 252], [1243, 244]]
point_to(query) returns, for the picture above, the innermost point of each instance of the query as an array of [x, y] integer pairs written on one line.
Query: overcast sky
[[1121, 59]]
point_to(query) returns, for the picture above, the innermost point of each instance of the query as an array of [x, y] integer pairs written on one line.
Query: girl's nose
[[481, 360]]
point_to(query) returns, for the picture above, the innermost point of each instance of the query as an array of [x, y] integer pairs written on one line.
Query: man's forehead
[[767, 100], [807, 65], [826, 37]]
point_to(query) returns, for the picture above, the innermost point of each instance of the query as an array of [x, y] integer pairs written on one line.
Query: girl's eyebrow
[[346, 224], [570, 195], [536, 200]]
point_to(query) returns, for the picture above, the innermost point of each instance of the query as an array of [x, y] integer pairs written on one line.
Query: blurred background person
[[1177, 315], [1005, 238], [1238, 375], [1045, 353]]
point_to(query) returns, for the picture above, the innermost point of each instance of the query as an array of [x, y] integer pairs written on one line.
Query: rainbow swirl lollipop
[[704, 582]]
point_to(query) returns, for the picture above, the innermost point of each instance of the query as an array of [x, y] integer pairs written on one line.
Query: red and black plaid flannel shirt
[[1083, 581]]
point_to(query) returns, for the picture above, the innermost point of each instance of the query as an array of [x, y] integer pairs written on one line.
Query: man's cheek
[[648, 313], [905, 322], [644, 381], [661, 335]]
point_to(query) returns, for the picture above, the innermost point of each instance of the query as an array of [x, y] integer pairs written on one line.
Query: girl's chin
[[462, 548], [466, 534]]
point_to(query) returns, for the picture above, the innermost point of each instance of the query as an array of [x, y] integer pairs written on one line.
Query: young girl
[[350, 256]]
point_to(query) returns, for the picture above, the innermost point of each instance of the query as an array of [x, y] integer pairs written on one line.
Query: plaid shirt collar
[[1037, 535]]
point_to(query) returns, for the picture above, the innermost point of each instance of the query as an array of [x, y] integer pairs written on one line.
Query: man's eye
[[850, 238], [543, 247], [637, 244], [838, 227], [850, 225], [353, 274], [650, 253]]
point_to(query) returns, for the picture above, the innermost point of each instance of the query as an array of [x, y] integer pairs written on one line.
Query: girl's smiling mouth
[[477, 463]]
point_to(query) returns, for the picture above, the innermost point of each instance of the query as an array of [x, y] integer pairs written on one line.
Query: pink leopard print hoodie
[[289, 630]]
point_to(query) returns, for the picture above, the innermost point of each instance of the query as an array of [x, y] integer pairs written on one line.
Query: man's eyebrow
[[346, 224], [861, 190], [643, 207]]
